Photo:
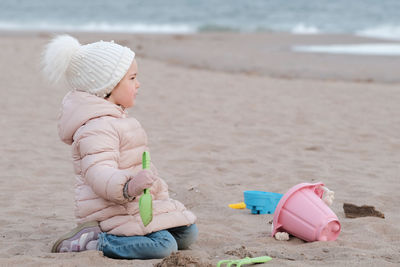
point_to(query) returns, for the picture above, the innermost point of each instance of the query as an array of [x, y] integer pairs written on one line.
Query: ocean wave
[[391, 32], [216, 28], [99, 27], [299, 28], [302, 28], [376, 49]]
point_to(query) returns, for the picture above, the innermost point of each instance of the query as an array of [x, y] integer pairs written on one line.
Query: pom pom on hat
[[57, 57], [95, 68]]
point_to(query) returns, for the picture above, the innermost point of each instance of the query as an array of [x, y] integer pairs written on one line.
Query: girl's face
[[124, 94]]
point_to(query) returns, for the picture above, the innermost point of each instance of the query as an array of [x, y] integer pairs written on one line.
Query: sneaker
[[77, 239]]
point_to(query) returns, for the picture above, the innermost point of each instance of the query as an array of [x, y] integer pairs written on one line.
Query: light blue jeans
[[155, 245]]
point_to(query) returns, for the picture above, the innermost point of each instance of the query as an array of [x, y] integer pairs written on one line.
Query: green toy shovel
[[244, 261], [145, 201]]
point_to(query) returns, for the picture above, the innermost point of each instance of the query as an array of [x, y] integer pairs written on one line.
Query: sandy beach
[[224, 113]]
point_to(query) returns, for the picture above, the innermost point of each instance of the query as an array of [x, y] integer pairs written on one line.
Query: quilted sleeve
[[99, 152]]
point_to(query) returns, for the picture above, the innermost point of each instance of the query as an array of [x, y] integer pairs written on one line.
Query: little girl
[[107, 149]]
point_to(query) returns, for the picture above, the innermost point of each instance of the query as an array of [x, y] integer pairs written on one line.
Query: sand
[[224, 113]]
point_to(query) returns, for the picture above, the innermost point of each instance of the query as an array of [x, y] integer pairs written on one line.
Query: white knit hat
[[95, 68]]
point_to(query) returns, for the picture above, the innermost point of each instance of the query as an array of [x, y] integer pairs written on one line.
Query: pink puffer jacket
[[107, 148]]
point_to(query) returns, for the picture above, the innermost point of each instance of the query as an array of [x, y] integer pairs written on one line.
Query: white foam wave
[[378, 49], [302, 28], [99, 27], [382, 32]]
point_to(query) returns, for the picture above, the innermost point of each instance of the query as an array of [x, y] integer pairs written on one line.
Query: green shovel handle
[[146, 160]]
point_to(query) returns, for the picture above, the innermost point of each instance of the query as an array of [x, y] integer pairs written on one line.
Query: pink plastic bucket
[[302, 213]]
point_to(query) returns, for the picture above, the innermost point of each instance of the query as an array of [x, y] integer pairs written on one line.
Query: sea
[[370, 18]]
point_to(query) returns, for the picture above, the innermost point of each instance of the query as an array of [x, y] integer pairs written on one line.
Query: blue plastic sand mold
[[260, 202]]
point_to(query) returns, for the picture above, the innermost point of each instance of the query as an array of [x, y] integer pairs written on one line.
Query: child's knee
[[190, 236], [166, 245]]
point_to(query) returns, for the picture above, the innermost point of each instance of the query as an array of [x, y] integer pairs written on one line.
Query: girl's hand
[[144, 179]]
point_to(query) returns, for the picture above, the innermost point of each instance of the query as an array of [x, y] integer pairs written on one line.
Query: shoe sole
[[72, 233]]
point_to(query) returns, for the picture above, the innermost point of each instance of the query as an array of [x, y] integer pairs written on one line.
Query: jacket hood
[[80, 107]]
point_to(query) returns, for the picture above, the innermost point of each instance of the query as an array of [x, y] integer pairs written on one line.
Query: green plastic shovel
[[244, 261], [145, 201]]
